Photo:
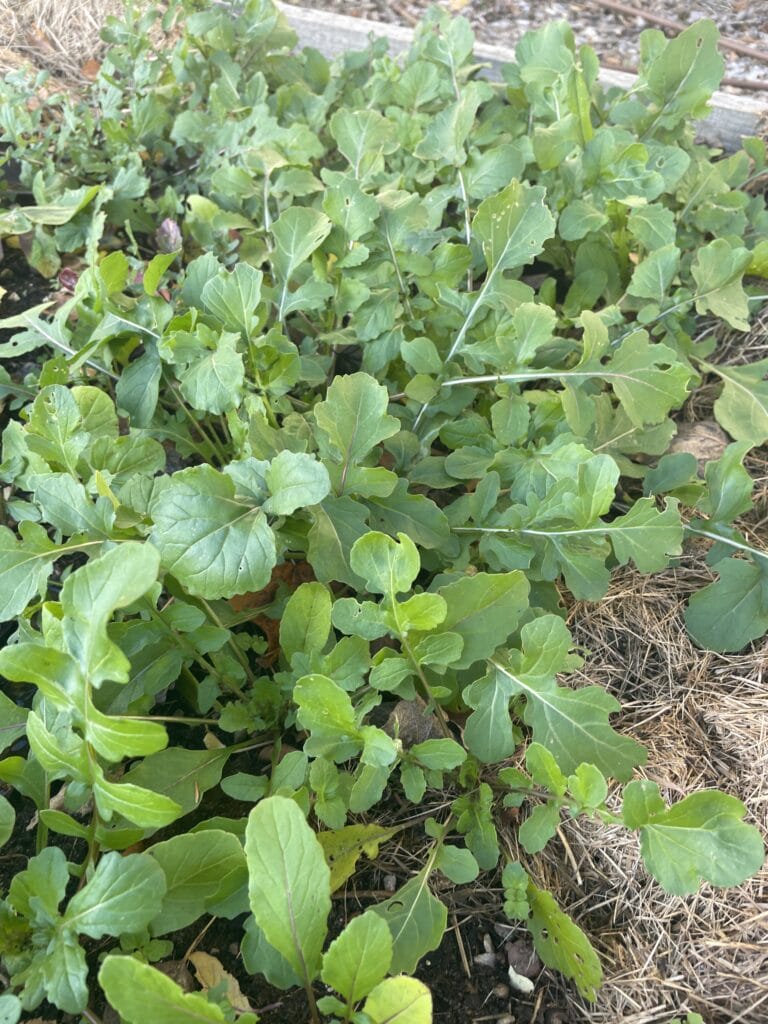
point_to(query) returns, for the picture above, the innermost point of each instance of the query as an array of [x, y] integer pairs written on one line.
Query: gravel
[[614, 36]]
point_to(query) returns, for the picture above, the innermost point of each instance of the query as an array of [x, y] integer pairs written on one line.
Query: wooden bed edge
[[732, 117]]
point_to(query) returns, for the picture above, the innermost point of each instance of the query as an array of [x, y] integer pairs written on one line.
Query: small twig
[[569, 855], [196, 941], [537, 1006], [677, 26], [460, 944], [403, 12]]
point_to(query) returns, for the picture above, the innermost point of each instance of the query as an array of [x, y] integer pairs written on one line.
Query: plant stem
[[238, 653]]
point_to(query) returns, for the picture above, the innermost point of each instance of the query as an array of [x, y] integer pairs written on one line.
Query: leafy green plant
[[364, 366]]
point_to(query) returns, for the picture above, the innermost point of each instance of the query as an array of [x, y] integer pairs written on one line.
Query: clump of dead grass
[[59, 36]]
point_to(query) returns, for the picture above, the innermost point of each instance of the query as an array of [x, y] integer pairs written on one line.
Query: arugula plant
[[364, 365]]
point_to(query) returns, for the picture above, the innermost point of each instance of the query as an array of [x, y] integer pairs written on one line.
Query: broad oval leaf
[[215, 543], [400, 1000], [123, 895], [288, 883], [359, 958], [141, 993]]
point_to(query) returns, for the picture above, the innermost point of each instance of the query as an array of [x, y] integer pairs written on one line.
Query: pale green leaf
[[400, 1000], [701, 837], [727, 614], [562, 945], [306, 621], [289, 883], [123, 895], [140, 993], [359, 958], [232, 296], [742, 407], [387, 566], [512, 227], [199, 869], [295, 480]]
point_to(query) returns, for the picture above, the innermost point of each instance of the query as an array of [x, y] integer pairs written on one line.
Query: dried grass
[[56, 35]]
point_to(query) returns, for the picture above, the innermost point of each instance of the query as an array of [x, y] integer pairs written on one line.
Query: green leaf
[[336, 524], [684, 75], [727, 614], [446, 134], [742, 408], [352, 419], [137, 804], [412, 514], [12, 721], [363, 137], [63, 972], [458, 864], [653, 276], [306, 622], [24, 570], [123, 895], [387, 566], [717, 270], [180, 775], [213, 382], [200, 868], [562, 945], [729, 485], [326, 711], [571, 724], [359, 958], [295, 480], [416, 920], [648, 379], [232, 297], [483, 610], [544, 769], [10, 1009], [700, 837], [7, 820], [539, 827], [139, 993], [514, 880], [215, 543], [512, 227], [154, 271], [289, 883], [399, 1000], [647, 536], [298, 231], [92, 594]]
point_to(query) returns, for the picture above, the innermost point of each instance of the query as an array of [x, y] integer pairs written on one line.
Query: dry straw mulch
[[60, 36]]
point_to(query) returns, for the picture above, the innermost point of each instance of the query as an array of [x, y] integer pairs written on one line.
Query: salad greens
[[362, 368]]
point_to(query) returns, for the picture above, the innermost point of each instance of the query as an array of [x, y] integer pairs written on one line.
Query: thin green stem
[[237, 651], [189, 649]]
